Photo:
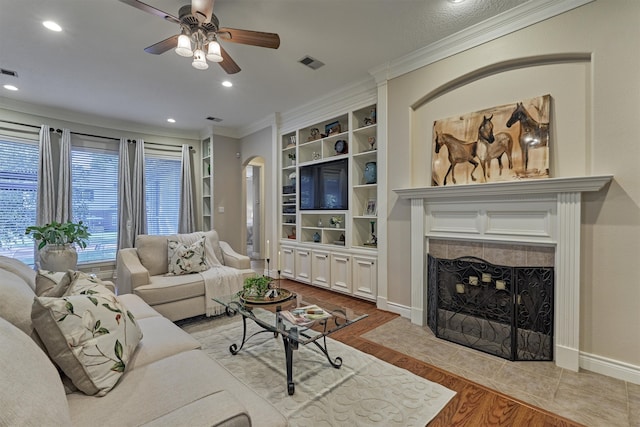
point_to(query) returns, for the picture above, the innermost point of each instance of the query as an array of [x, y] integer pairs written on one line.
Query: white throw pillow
[[185, 259], [91, 337]]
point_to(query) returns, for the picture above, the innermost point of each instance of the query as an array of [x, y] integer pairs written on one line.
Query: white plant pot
[[58, 258]]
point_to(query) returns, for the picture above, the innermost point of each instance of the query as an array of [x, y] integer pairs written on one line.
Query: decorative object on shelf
[[292, 141], [314, 134], [292, 157], [341, 146], [316, 237], [332, 128], [370, 173], [371, 119], [292, 179], [372, 142], [288, 189], [57, 243], [336, 221], [373, 239], [320, 223], [292, 236], [315, 155], [372, 209]]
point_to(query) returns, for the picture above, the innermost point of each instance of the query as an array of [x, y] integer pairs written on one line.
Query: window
[[162, 175], [18, 184], [94, 183]]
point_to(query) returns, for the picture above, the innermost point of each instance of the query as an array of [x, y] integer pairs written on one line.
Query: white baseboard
[[402, 310], [610, 367]]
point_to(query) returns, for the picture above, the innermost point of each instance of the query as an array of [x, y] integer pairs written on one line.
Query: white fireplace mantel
[[541, 211]]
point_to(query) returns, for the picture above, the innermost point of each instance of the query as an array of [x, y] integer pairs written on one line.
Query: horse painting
[[459, 152], [532, 133], [492, 146]]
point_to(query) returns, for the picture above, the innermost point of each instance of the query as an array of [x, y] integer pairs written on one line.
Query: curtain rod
[[86, 134]]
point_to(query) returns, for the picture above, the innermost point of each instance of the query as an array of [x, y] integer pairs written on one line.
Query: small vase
[[370, 173]]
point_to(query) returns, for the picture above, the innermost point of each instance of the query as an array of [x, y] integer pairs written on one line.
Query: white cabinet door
[[341, 272], [303, 265], [320, 268], [365, 277], [287, 260]]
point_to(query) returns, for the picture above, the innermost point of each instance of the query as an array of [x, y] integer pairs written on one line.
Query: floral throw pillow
[[185, 259], [90, 336]]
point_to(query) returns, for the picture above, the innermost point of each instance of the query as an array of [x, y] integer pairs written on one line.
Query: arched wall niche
[[566, 77]]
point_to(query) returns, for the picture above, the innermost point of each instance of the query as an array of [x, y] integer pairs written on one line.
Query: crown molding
[[344, 99], [515, 19]]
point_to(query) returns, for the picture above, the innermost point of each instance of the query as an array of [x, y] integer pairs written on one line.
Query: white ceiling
[[97, 64]]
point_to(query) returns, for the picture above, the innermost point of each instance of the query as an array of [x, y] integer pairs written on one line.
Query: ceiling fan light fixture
[[184, 46], [213, 52], [199, 60]]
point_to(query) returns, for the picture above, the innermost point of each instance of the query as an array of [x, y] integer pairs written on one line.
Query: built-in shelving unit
[[329, 241], [207, 184]]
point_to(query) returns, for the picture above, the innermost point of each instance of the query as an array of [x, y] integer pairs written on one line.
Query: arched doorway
[[253, 190]]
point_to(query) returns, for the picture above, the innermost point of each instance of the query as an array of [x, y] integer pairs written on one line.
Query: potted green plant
[[57, 243], [292, 158], [256, 286]]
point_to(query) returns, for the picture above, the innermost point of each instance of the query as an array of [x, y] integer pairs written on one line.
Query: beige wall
[[259, 145], [596, 105], [227, 189]]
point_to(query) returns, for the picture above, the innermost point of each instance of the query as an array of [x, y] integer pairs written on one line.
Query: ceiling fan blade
[[152, 10], [202, 9], [228, 64], [253, 38], [163, 46]]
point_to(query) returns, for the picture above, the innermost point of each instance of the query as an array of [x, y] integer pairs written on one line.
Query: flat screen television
[[325, 186]]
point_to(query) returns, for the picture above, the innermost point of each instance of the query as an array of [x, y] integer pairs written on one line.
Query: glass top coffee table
[[298, 320]]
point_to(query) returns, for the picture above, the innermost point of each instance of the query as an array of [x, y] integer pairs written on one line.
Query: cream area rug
[[365, 391]]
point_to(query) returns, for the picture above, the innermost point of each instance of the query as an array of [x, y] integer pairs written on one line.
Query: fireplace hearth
[[501, 310]]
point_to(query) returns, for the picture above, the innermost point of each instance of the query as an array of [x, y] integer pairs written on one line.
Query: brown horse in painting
[[459, 152], [532, 133], [492, 146]]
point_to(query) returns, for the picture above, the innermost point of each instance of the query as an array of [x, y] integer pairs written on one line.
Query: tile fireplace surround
[[542, 212]]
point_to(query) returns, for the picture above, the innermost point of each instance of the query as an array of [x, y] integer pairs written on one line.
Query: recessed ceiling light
[[227, 83], [10, 87], [456, 1], [52, 26], [170, 120]]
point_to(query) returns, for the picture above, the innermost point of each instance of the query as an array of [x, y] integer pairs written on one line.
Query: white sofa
[[142, 270], [168, 381]]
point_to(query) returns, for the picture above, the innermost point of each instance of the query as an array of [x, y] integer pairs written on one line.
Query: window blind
[[162, 175], [18, 184], [94, 183]]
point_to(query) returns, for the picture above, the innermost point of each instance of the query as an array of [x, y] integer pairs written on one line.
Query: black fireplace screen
[[501, 310]]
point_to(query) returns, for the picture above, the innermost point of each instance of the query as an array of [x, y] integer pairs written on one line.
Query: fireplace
[[502, 310], [541, 212]]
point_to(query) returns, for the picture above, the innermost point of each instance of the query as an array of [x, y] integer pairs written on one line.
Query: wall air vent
[[310, 62], [214, 119], [6, 72]]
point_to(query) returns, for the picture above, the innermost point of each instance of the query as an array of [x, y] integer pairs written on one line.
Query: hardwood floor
[[474, 405]]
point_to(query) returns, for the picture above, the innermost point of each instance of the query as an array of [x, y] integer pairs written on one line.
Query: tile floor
[[586, 397]]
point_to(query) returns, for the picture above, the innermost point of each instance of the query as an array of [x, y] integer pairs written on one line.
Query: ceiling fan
[[200, 28]]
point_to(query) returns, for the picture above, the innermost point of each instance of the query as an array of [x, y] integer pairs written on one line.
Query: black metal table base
[[290, 344]]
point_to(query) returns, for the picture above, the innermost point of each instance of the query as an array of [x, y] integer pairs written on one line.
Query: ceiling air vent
[[214, 119], [310, 62], [6, 72]]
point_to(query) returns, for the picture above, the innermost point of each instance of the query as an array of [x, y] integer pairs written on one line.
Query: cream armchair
[[142, 270]]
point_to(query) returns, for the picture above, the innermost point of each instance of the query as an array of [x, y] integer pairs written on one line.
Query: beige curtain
[[186, 217], [125, 214]]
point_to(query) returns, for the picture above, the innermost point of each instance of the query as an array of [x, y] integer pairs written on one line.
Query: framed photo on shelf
[[332, 128], [372, 209]]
